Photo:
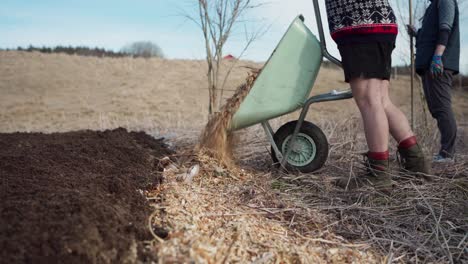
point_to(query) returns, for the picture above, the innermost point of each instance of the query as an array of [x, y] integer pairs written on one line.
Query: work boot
[[413, 160], [377, 176]]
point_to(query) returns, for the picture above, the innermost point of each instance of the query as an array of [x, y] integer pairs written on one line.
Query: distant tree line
[[79, 50], [144, 49]]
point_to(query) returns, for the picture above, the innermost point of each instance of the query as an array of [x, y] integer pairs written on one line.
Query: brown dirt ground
[[73, 197]]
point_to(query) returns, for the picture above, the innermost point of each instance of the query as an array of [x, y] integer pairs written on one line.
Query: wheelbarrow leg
[[292, 141], [269, 132]]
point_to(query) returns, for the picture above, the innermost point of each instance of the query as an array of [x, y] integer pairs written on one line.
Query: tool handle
[[323, 43]]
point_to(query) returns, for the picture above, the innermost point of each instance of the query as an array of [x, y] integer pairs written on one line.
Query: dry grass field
[[253, 213], [55, 92]]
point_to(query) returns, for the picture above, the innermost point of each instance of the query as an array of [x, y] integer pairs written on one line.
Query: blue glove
[[437, 67]]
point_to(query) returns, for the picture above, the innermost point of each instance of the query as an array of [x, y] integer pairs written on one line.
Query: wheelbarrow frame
[[331, 96]]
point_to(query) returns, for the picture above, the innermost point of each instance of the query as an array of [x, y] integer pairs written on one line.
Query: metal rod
[[413, 120], [269, 131], [331, 96], [323, 43]]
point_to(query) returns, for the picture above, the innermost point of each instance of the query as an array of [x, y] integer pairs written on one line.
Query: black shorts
[[367, 60]]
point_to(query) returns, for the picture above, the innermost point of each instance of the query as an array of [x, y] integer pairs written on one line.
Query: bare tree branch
[[217, 19], [250, 38]]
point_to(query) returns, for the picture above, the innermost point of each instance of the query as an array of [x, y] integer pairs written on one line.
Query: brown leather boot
[[377, 176], [413, 160]]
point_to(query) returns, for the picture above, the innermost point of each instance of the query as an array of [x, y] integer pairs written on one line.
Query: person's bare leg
[[368, 96], [413, 157], [398, 123]]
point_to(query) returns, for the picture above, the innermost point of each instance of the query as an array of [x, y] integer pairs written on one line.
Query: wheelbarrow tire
[[313, 144]]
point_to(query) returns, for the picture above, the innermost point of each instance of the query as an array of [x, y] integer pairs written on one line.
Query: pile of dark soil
[[76, 197]]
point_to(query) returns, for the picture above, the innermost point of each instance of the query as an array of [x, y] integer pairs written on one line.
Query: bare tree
[[217, 19], [145, 49]]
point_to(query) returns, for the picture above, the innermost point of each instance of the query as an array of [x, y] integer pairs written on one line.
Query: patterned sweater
[[361, 21]]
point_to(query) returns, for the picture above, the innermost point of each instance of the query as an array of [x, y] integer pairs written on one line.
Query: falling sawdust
[[215, 139]]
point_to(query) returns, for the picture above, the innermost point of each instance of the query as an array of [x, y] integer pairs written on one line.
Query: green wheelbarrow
[[282, 87]]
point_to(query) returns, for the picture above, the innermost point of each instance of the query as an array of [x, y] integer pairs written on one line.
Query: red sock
[[408, 143], [379, 155]]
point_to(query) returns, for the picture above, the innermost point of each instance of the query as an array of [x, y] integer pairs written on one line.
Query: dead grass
[[238, 215], [243, 215], [418, 221], [228, 216]]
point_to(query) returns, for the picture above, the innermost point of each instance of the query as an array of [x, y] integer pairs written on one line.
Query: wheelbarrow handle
[[323, 43]]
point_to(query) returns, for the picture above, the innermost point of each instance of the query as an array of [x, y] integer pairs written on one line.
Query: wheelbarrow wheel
[[311, 147]]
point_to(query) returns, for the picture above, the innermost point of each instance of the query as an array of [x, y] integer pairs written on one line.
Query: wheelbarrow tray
[[286, 80]]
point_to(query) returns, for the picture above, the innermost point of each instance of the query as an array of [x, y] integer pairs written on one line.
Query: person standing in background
[[437, 60], [365, 32]]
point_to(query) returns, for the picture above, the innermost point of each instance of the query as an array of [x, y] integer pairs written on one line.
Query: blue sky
[[111, 24]]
